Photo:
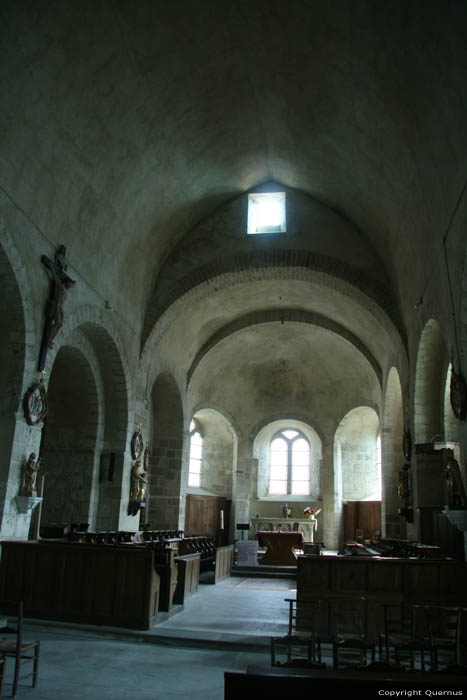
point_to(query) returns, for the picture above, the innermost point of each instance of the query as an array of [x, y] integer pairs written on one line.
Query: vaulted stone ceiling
[[124, 124]]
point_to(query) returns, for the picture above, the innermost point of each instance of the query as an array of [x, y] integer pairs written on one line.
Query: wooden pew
[[166, 567], [99, 584], [224, 562], [188, 577]]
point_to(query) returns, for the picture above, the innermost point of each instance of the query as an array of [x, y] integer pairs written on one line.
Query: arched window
[[289, 464], [196, 453]]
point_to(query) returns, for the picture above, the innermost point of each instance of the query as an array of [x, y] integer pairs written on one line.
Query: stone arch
[[258, 264], [167, 438], [284, 316], [392, 456], [430, 384], [204, 288], [69, 437], [101, 333]]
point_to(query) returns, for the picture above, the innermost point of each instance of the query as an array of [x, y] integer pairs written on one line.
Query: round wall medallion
[[35, 403], [137, 444]]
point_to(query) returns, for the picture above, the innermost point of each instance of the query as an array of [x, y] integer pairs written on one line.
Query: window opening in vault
[[196, 453], [266, 212], [289, 464]]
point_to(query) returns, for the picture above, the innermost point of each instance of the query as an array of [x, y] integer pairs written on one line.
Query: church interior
[[234, 256]]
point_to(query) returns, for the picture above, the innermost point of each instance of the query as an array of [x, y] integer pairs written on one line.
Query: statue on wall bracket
[[138, 486], [61, 282], [35, 403], [29, 476], [407, 445]]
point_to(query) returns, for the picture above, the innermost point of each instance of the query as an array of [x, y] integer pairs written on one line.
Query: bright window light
[[266, 212]]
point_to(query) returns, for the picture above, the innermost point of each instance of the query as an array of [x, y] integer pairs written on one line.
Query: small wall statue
[[138, 486], [403, 490], [29, 476]]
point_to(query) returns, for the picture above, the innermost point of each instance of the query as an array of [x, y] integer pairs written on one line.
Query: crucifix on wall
[[54, 313]]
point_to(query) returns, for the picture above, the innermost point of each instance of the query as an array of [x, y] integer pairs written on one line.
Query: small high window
[[266, 212], [196, 452], [289, 464]]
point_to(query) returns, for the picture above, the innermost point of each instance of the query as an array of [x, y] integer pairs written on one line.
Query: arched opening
[[69, 439], [269, 503], [208, 506], [393, 525], [166, 454], [357, 467]]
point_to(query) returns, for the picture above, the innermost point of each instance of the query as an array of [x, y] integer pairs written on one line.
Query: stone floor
[[225, 627], [222, 628]]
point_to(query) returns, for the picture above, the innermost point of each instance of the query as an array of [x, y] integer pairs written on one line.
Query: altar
[[305, 525]]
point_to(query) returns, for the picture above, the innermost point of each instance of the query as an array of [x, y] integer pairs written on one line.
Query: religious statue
[[403, 490], [29, 476], [137, 488], [286, 511], [61, 282], [456, 491]]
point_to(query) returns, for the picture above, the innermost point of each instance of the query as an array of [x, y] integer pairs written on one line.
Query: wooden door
[[203, 517]]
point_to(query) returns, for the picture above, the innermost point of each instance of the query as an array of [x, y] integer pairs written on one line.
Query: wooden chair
[[405, 630], [15, 647], [445, 624], [302, 644], [349, 629]]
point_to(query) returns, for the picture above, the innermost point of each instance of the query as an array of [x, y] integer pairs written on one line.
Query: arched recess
[[393, 525], [69, 439], [166, 431], [430, 385], [90, 331], [218, 459], [260, 500], [357, 472]]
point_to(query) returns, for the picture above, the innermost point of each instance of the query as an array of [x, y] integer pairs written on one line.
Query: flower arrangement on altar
[[311, 511]]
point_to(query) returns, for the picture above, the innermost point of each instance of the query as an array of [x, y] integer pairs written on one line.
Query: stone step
[[264, 571]]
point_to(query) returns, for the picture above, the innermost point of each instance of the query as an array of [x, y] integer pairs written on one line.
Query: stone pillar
[[429, 486], [242, 484], [331, 491], [114, 489]]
